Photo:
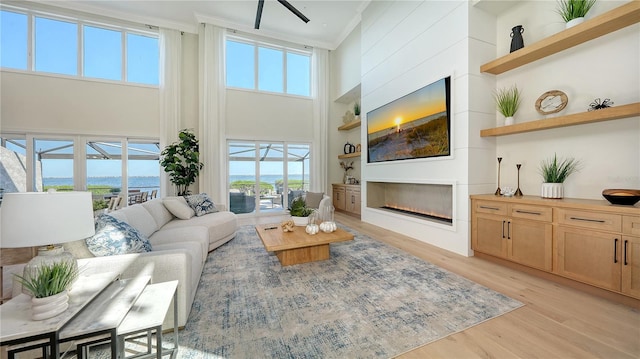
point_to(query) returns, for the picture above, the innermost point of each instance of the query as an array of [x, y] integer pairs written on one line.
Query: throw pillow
[[178, 207], [201, 204], [312, 199], [114, 236]]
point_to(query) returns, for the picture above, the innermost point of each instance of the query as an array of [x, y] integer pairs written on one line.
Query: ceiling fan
[[283, 2]]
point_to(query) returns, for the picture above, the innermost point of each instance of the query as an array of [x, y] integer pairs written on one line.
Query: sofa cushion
[[158, 211], [201, 204], [114, 236], [78, 249], [179, 207], [199, 234], [312, 199], [138, 217], [220, 224]]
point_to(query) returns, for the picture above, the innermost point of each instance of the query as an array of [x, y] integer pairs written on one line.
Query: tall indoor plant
[[508, 101], [181, 160], [574, 11], [554, 172]]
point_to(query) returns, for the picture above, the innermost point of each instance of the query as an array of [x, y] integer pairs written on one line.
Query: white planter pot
[[574, 22], [552, 190], [509, 121], [300, 221], [49, 307]]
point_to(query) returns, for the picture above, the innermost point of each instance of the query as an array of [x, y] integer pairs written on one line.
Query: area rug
[[370, 300]]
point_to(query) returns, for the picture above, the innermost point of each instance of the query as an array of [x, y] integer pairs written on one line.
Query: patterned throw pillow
[[201, 204], [114, 236]]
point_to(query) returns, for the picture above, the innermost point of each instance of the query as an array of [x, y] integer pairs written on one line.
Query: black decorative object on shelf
[[597, 105], [518, 191], [517, 42], [498, 191]]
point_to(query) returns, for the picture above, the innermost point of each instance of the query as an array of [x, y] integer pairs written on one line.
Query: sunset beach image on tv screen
[[414, 126]]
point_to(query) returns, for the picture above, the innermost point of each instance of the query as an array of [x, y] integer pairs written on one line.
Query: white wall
[[345, 61], [53, 104], [606, 67], [406, 46]]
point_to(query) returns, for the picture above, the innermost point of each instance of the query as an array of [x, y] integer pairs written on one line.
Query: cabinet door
[[530, 243], [631, 266], [353, 200], [339, 198], [588, 256], [489, 235]]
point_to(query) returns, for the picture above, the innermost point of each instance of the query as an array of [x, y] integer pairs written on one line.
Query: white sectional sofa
[[179, 249]]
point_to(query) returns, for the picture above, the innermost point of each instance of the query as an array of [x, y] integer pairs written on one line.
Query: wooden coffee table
[[299, 247]]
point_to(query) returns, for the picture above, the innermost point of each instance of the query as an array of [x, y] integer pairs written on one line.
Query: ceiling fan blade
[[294, 10], [259, 14]]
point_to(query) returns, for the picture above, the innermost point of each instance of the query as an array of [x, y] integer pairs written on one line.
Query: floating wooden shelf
[[349, 155], [616, 19], [350, 125], [605, 114]]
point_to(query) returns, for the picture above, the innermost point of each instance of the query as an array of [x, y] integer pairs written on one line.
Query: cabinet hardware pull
[[503, 229], [509, 230], [615, 250], [528, 212], [493, 208], [625, 252], [588, 219]]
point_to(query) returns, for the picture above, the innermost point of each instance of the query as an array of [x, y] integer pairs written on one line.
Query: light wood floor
[[557, 321]]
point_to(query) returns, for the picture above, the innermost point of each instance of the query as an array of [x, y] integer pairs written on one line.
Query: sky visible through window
[[56, 49]]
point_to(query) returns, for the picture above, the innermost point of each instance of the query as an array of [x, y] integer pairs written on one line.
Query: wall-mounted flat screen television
[[417, 125]]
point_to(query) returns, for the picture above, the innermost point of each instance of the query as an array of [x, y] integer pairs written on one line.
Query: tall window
[[143, 168], [55, 48], [104, 167], [266, 176], [267, 68], [13, 156], [53, 164]]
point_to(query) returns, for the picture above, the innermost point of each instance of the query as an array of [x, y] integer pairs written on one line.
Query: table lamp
[[45, 220]]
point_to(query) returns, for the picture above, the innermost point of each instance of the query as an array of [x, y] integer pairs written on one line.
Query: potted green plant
[[356, 110], [181, 160], [299, 211], [554, 172], [508, 101], [48, 285], [574, 11]]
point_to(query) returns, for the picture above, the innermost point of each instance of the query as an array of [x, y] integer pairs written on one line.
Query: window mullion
[[30, 41]]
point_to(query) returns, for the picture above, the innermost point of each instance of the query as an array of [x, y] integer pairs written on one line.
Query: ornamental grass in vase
[[508, 101], [574, 11], [48, 284], [554, 172]]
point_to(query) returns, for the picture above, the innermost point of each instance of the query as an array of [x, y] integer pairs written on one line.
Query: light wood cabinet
[[346, 198], [590, 241], [519, 233], [339, 197]]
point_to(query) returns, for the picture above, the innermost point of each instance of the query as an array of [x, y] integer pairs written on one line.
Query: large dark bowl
[[627, 197]]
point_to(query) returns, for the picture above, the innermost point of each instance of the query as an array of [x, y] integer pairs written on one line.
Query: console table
[[20, 333]]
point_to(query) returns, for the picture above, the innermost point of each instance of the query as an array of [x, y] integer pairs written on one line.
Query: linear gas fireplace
[[431, 202]]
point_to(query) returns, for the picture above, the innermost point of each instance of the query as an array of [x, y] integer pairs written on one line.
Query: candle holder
[[518, 191], [498, 190]]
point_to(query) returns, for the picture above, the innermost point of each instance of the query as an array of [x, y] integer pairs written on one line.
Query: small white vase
[[49, 307], [300, 221], [509, 121], [573, 22], [552, 190]]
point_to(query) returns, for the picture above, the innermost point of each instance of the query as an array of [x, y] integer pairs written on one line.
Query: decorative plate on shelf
[[551, 102]]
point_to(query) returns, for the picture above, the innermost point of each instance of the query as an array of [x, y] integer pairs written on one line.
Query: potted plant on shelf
[[508, 101], [356, 110], [48, 285], [181, 160], [299, 211], [554, 172], [574, 11]]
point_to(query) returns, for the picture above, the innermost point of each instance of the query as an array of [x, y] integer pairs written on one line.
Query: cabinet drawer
[[536, 213], [592, 220], [491, 207], [631, 225]]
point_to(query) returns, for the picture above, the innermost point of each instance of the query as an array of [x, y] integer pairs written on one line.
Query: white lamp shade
[[31, 219]]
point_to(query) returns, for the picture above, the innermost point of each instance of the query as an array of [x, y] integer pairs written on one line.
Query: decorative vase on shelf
[[509, 121], [552, 190], [516, 38], [573, 22]]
